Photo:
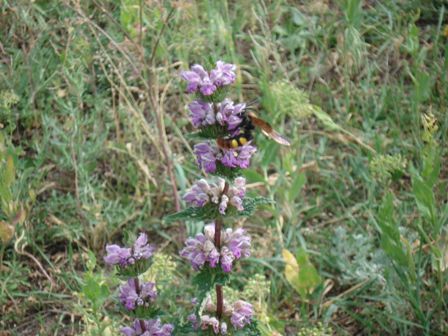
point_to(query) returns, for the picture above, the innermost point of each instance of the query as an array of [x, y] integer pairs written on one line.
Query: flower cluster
[[239, 314], [228, 149], [201, 249], [209, 156], [134, 295], [148, 328], [225, 113], [203, 192], [199, 80], [125, 256]]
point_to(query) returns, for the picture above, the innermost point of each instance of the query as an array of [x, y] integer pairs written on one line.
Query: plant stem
[[219, 301], [218, 228], [137, 290], [142, 325], [137, 285]]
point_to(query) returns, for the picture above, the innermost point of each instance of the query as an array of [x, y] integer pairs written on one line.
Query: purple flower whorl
[[200, 81], [132, 297], [203, 193], [148, 328], [124, 256], [201, 249]]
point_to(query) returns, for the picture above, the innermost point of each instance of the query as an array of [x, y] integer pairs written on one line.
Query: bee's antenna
[[252, 102]]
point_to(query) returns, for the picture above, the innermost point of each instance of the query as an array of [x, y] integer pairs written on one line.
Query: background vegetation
[[94, 140]]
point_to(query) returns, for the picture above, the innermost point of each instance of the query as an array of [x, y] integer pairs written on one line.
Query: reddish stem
[[137, 290], [219, 301], [142, 325], [218, 228]]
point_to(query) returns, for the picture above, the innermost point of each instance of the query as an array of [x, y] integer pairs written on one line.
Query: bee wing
[[267, 130], [277, 137]]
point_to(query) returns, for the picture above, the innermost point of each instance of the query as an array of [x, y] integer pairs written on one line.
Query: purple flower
[[239, 187], [230, 114], [207, 321], [202, 193], [242, 314], [124, 256], [227, 259], [201, 249], [142, 249], [206, 156], [238, 157], [117, 255], [223, 74], [237, 193], [201, 113], [207, 87], [223, 328], [198, 195], [194, 77], [223, 204], [132, 297], [199, 79], [150, 328], [193, 320], [239, 243]]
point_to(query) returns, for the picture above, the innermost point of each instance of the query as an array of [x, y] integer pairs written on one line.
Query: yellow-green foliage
[[291, 100], [430, 127], [7, 99], [161, 270], [317, 330], [383, 166]]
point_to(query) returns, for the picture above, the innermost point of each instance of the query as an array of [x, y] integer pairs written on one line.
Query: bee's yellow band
[[243, 141], [234, 143]]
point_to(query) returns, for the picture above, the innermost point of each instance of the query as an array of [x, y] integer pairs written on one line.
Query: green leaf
[[9, 172], [91, 261], [206, 280], [211, 132], [249, 330], [424, 197], [269, 153], [296, 186], [95, 292], [422, 86], [251, 204], [141, 312], [326, 119], [301, 273], [210, 211], [129, 16], [390, 240], [431, 167], [226, 172], [208, 277], [252, 176], [134, 270]]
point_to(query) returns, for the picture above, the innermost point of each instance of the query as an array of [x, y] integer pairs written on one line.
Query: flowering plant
[[214, 252], [136, 296]]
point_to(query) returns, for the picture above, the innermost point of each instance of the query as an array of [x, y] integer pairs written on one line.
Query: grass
[[93, 118]]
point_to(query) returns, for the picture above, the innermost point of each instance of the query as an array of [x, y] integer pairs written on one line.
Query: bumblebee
[[249, 123], [236, 141]]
